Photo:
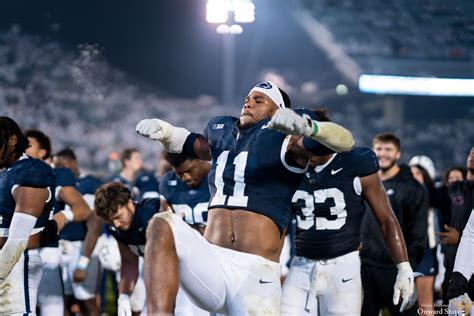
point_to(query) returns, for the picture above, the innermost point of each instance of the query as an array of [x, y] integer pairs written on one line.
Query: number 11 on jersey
[[237, 198]]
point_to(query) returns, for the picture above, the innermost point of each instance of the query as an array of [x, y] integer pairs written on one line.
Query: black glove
[[49, 235], [457, 286]]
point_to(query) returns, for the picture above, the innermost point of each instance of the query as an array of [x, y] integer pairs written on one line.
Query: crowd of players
[[206, 238]]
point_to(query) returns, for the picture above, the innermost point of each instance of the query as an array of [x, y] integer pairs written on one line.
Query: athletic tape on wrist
[[68, 214], [82, 263]]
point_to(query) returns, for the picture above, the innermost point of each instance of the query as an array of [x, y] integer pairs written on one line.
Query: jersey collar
[[321, 167]]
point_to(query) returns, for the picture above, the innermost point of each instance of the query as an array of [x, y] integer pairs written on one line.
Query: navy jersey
[[64, 178], [147, 185], [135, 236], [27, 172], [329, 205], [190, 202], [86, 185], [249, 170]]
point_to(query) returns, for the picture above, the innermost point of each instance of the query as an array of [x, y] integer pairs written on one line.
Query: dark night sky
[[170, 45]]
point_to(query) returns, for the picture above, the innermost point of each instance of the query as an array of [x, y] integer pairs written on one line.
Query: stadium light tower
[[229, 14]]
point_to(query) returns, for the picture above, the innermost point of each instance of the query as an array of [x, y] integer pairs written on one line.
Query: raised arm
[[175, 139], [330, 134]]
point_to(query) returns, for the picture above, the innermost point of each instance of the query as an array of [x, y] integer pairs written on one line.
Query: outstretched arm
[[174, 139], [330, 134]]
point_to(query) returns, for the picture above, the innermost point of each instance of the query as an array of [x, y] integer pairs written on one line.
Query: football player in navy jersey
[[51, 296], [185, 188], [127, 222], [142, 183], [81, 271], [325, 275], [256, 167], [26, 191]]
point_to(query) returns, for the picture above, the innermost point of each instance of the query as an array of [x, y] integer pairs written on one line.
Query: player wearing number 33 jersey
[[256, 165], [324, 277]]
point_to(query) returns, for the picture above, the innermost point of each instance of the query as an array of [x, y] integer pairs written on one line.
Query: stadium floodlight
[[223, 29], [244, 11], [416, 85], [236, 29], [229, 29], [217, 11]]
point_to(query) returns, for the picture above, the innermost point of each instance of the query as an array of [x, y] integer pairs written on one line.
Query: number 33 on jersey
[[329, 205]]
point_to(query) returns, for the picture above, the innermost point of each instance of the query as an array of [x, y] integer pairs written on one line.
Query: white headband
[[271, 90]]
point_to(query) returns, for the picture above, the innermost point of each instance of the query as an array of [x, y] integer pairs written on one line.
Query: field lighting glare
[[217, 11]]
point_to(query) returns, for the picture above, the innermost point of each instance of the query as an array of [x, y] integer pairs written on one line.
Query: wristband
[[82, 263], [68, 214], [315, 128]]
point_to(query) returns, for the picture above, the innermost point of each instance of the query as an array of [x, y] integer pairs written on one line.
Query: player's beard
[[392, 163]]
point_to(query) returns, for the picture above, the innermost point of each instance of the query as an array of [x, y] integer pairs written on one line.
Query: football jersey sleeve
[[365, 161], [35, 174], [64, 177]]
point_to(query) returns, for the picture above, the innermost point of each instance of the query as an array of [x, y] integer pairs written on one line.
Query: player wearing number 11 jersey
[[256, 167]]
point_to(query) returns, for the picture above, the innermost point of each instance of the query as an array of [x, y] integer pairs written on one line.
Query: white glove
[[287, 121], [171, 138], [404, 285], [460, 305], [124, 308]]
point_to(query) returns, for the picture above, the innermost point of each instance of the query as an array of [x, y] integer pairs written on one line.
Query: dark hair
[[42, 139], [427, 182], [387, 137], [127, 154], [461, 169], [286, 98], [321, 114], [8, 128], [176, 160], [66, 153], [109, 198]]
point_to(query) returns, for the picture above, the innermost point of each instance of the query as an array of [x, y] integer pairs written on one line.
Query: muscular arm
[[76, 202], [30, 200], [29, 206], [128, 270], [201, 148], [375, 195], [94, 228]]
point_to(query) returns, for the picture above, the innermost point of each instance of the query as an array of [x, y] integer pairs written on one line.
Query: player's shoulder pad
[[88, 184], [216, 122], [364, 161], [93, 180], [33, 173], [64, 177]]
